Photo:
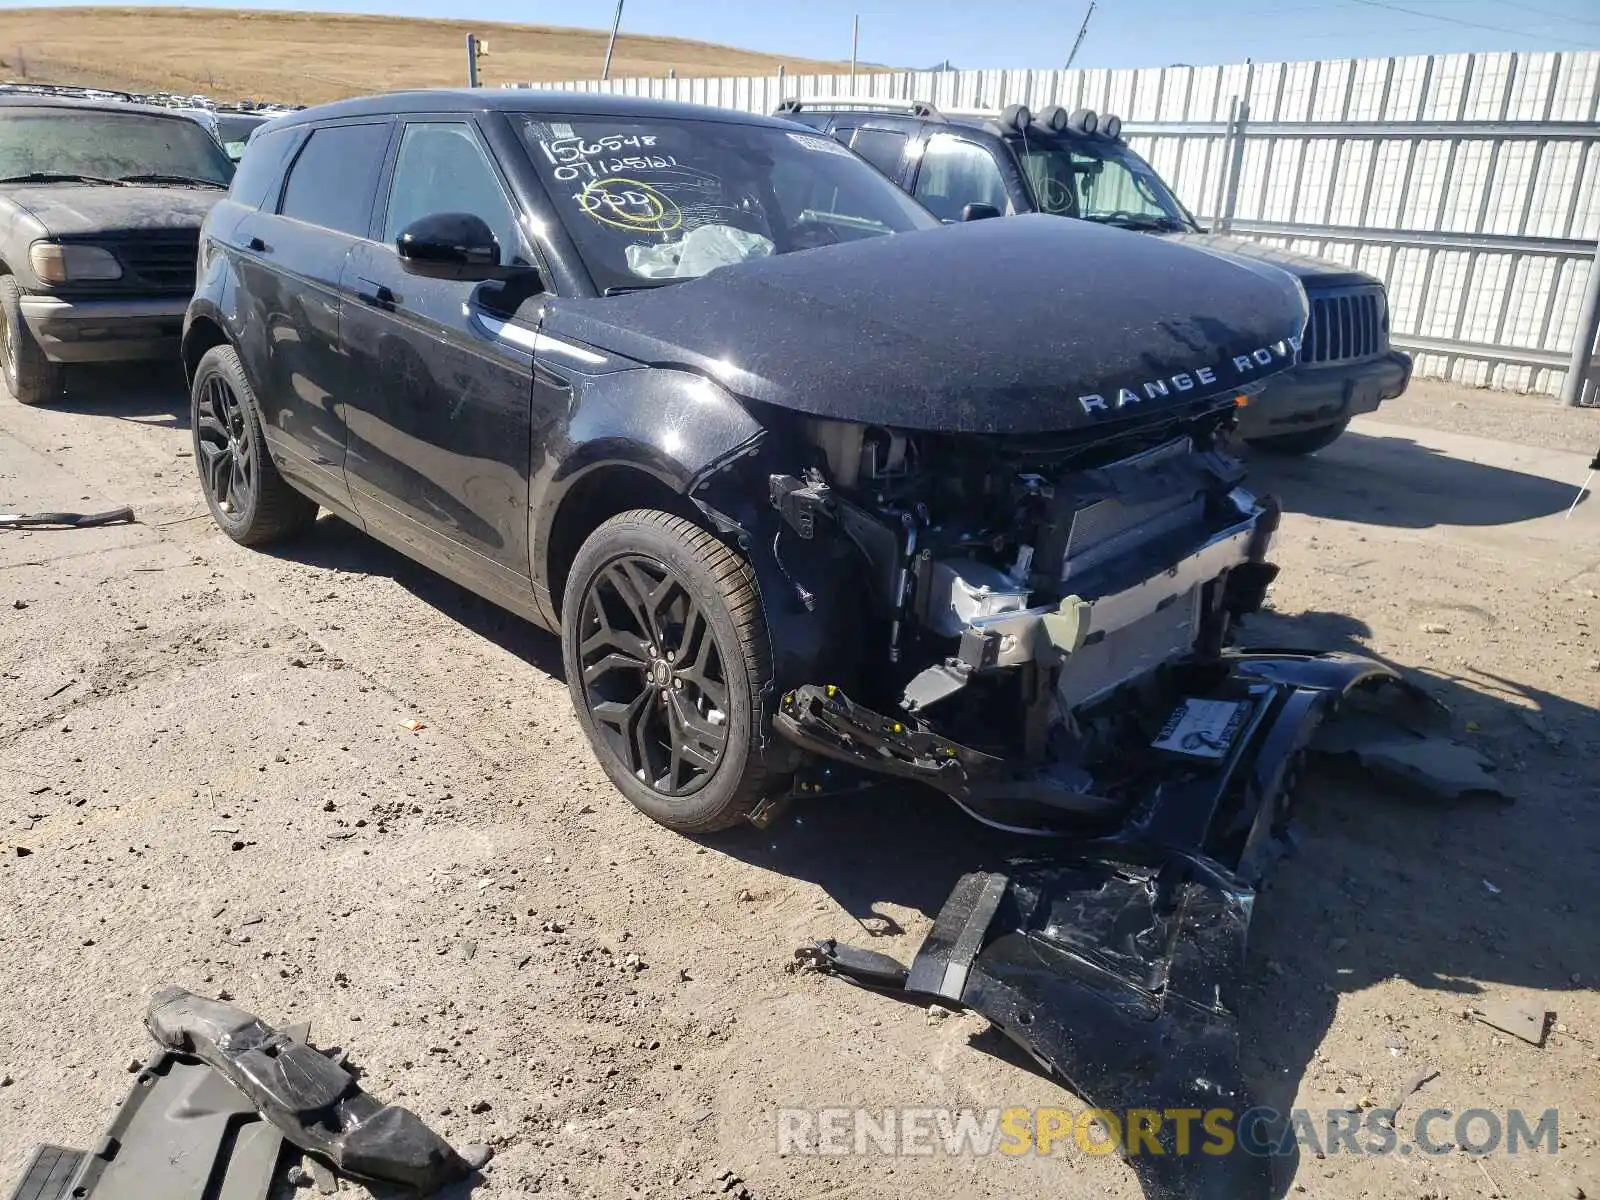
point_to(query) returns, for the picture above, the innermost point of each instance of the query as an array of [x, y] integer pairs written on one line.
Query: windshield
[[1100, 182], [649, 201], [234, 132], [108, 145]]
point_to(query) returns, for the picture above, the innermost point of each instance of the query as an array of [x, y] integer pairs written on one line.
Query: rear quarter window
[[261, 167]]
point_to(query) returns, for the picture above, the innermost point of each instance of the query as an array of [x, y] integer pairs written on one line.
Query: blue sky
[[1123, 33]]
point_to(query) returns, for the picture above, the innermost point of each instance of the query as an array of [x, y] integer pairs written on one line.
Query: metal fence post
[[1226, 167], [1582, 365], [1240, 123]]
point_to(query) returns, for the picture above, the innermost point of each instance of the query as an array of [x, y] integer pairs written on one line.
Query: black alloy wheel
[[225, 439], [249, 500], [653, 675]]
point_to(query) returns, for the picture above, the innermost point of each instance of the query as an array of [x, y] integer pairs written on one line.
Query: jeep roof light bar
[[917, 108], [1013, 118]]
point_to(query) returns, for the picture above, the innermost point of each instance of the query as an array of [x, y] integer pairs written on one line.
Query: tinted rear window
[[261, 167], [334, 176]]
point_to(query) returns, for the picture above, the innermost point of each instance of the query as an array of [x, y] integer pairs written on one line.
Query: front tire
[[667, 657], [249, 500], [1301, 441], [32, 378]]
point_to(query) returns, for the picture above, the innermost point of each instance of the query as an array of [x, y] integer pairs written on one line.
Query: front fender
[[672, 426], [215, 304]]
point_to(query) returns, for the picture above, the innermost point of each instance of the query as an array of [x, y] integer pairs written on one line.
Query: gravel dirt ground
[[209, 776]]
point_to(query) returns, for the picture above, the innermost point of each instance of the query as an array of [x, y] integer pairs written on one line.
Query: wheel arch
[[600, 493], [203, 332]]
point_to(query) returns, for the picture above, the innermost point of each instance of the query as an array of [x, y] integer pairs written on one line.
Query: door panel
[[290, 341], [292, 263], [440, 405]]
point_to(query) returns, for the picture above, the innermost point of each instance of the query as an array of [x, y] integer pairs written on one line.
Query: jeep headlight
[[56, 262]]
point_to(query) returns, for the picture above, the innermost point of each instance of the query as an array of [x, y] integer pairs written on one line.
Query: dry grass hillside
[[307, 58]]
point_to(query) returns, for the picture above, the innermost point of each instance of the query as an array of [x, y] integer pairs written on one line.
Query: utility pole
[[616, 24], [476, 49], [855, 42], [1082, 32]]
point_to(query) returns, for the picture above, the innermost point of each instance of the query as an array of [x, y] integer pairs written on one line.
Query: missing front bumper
[[1116, 963]]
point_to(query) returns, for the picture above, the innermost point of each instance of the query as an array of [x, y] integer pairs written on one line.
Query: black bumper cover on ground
[[1116, 963]]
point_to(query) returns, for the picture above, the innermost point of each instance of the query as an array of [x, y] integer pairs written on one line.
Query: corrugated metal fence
[[1469, 183]]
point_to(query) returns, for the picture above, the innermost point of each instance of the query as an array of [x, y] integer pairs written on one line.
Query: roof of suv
[[40, 100], [523, 100]]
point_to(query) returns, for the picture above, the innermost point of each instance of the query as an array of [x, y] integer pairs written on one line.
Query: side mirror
[[979, 212], [450, 246]]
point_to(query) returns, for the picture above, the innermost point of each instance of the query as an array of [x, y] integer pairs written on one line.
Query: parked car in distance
[[101, 204], [1077, 165], [707, 394]]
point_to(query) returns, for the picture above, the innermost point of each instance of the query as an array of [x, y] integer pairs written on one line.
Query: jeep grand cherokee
[[1077, 165]]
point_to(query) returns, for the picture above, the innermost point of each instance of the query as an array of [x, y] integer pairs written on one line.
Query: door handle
[[256, 243], [370, 291]]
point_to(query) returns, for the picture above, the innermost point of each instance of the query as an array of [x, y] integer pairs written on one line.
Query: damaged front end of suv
[[1000, 551]]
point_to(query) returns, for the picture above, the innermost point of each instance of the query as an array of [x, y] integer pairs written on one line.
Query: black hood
[[1312, 272], [1021, 325], [98, 209]]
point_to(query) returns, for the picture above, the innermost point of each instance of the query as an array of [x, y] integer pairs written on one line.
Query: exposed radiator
[[1126, 653], [1106, 527]]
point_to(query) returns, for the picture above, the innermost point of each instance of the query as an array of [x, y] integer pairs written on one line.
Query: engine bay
[[1032, 607]]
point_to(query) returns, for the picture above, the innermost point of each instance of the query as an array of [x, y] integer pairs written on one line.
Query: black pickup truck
[[961, 164], [101, 203]]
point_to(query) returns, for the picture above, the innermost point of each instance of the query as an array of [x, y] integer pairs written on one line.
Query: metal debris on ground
[[1408, 1089], [66, 520], [1528, 1022]]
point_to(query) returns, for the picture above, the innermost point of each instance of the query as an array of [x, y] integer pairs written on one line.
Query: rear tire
[[32, 378], [1301, 441], [249, 500], [667, 656]]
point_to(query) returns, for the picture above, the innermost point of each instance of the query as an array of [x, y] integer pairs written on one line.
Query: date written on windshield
[[586, 158]]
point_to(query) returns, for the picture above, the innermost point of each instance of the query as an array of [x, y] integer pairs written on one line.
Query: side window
[[882, 148], [332, 180], [957, 173], [441, 168], [261, 167]]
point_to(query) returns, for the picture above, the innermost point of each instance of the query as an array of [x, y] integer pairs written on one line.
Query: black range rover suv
[[798, 472], [1077, 165]]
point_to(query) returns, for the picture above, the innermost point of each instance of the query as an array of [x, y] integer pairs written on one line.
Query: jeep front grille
[[1346, 325]]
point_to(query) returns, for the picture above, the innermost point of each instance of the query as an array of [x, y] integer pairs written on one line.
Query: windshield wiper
[[644, 285], [59, 177], [157, 177], [1127, 220]]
